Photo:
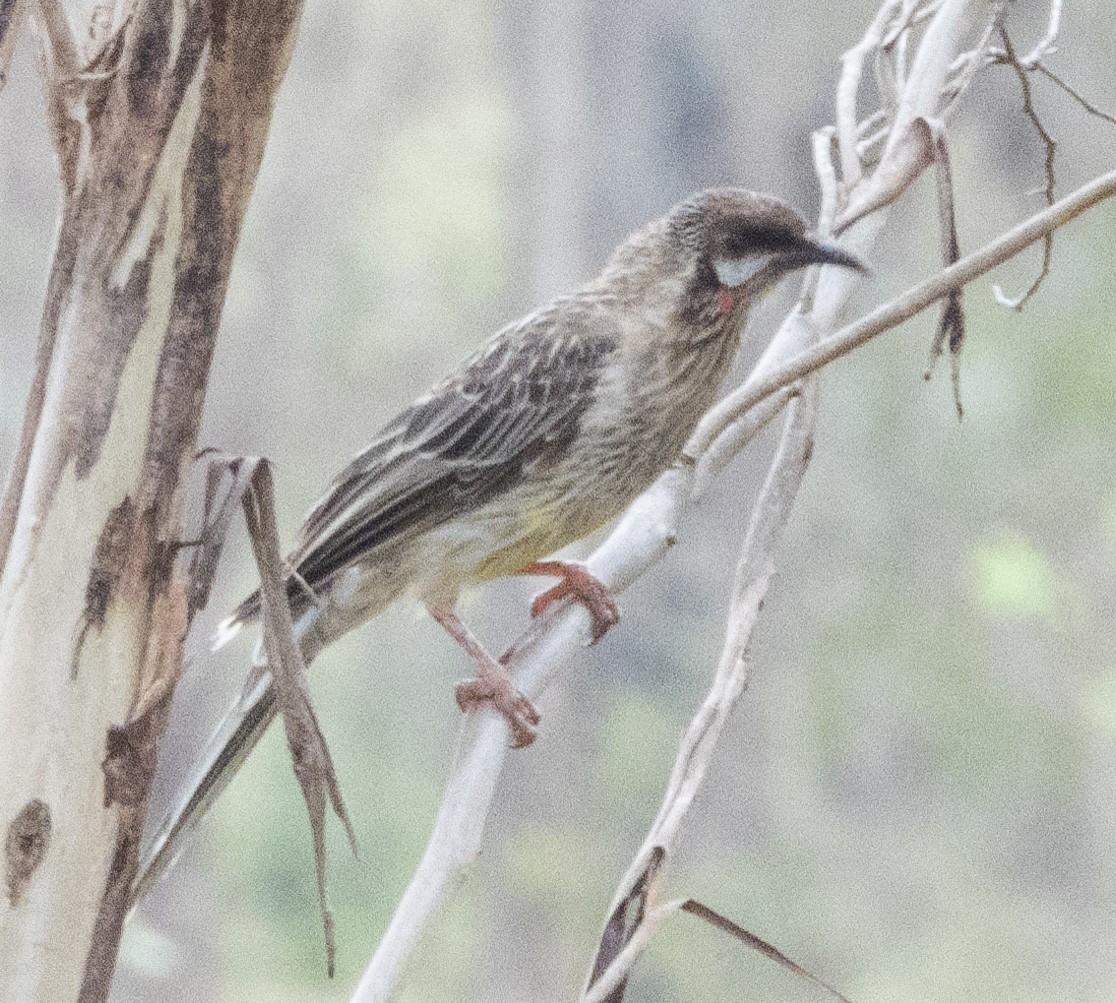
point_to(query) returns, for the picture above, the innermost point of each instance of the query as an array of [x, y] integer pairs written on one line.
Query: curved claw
[[578, 586], [495, 688], [492, 686]]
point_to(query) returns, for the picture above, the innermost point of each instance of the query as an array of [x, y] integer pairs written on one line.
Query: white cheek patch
[[733, 272]]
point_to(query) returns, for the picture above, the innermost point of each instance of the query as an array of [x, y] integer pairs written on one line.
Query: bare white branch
[[695, 752], [1045, 45], [643, 537], [959, 27], [827, 179], [852, 69]]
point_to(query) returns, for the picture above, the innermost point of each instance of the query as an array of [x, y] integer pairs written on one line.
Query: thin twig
[[729, 446], [906, 153], [852, 69], [827, 179], [1085, 103], [1016, 303], [613, 979], [864, 147], [974, 61], [1045, 45], [877, 119], [914, 13], [609, 973]]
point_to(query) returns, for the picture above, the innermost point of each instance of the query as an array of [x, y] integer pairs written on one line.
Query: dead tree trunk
[[160, 130]]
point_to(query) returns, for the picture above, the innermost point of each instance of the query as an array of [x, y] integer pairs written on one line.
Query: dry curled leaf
[[227, 478], [310, 756], [951, 322]]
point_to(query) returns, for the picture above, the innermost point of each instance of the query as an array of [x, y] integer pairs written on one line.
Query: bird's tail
[[240, 729], [235, 737]]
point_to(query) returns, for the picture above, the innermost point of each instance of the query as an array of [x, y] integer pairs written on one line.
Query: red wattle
[[725, 301]]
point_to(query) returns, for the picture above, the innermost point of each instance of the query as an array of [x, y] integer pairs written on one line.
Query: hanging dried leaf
[[951, 323], [227, 478], [695, 908], [310, 756]]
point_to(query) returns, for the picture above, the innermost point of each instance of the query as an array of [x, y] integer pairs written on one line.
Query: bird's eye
[[734, 272]]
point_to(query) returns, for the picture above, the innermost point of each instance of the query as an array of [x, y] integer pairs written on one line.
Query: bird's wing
[[519, 401]]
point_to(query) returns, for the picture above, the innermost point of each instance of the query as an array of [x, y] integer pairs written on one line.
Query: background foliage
[[916, 799]]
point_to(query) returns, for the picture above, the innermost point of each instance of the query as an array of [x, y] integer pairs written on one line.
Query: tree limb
[[170, 131]]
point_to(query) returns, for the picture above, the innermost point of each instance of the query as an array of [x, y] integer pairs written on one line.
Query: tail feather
[[233, 740], [236, 736], [247, 612]]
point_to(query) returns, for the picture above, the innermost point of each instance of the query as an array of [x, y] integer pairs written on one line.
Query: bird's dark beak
[[761, 271], [819, 252]]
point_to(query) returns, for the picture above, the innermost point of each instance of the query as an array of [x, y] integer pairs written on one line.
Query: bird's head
[[734, 245]]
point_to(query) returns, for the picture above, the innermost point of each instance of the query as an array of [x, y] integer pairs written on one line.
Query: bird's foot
[[578, 586], [493, 686]]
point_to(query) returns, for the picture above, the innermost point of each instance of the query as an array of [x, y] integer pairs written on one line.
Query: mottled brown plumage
[[542, 436]]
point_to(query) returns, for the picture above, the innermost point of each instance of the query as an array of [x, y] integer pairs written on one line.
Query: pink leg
[[492, 686], [578, 586]]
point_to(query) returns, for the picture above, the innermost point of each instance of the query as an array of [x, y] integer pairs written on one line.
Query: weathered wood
[[170, 119]]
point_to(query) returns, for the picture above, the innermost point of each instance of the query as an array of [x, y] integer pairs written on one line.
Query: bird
[[543, 435]]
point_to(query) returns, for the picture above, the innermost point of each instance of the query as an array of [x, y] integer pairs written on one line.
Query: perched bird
[[541, 437]]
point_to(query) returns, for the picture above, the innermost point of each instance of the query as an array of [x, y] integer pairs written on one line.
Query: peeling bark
[[108, 561], [24, 848], [12, 14], [159, 140]]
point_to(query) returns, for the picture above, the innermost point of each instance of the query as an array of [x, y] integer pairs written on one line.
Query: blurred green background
[[915, 798]]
